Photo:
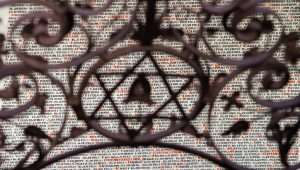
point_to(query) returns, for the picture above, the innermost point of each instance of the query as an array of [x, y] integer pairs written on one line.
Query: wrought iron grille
[[148, 32]]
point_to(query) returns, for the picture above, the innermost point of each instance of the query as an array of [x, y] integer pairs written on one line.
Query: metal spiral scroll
[[145, 33]]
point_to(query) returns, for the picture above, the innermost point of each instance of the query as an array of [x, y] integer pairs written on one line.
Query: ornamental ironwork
[[145, 32]]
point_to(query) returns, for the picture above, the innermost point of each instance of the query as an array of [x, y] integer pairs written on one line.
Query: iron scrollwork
[[146, 24]]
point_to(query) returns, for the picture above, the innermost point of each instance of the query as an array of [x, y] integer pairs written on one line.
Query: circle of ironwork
[[145, 138]]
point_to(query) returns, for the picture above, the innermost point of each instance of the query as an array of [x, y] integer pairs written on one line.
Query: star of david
[[148, 119]]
